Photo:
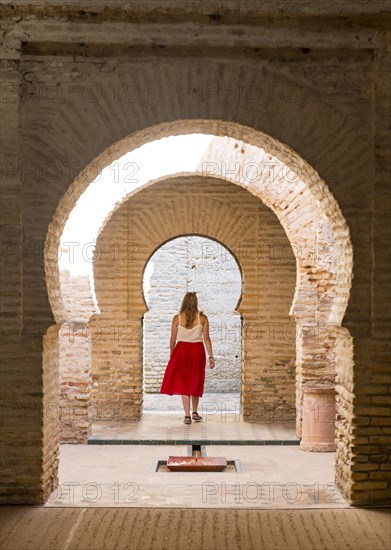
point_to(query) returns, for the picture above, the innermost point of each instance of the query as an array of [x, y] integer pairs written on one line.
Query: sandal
[[197, 417], [187, 420]]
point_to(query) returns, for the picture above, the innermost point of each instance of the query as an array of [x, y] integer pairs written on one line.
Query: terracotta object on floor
[[318, 431], [196, 463]]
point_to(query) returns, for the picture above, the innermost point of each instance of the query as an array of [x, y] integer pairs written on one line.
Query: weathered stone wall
[[77, 77], [195, 205], [206, 267]]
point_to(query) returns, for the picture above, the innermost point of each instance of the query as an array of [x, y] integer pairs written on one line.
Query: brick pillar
[[75, 382], [116, 369], [363, 472], [22, 452]]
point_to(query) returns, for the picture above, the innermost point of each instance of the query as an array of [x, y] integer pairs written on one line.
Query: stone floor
[[269, 477]]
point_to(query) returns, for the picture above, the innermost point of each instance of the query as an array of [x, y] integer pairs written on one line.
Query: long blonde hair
[[190, 307]]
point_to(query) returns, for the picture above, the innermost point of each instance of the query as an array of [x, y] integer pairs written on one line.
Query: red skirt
[[185, 371]]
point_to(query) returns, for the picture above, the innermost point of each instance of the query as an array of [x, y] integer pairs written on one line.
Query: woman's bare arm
[[208, 342], [174, 332]]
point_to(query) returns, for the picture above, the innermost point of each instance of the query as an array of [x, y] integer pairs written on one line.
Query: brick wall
[[315, 78]]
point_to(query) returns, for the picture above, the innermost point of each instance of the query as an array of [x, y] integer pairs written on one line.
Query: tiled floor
[[125, 475], [169, 428], [162, 422]]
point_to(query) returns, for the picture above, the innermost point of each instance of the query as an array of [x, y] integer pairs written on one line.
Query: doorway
[[205, 266]]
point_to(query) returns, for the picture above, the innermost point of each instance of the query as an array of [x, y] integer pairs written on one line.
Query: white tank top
[[189, 334]]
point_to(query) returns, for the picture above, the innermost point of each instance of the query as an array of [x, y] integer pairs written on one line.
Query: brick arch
[[287, 184], [293, 190], [186, 205]]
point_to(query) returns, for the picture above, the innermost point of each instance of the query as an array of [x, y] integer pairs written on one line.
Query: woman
[[185, 371]]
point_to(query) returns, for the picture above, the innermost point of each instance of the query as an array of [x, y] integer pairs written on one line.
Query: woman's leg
[[186, 404], [194, 402]]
